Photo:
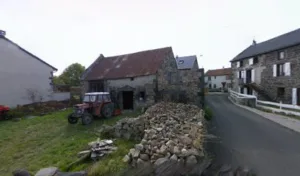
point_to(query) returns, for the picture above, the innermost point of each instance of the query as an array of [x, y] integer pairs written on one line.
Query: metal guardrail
[[279, 107]]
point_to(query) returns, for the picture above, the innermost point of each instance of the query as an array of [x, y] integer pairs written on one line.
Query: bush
[[208, 114], [16, 113]]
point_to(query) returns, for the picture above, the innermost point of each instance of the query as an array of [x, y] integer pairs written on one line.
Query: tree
[[71, 75], [58, 81]]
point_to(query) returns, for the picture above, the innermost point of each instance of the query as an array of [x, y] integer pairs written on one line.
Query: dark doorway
[[127, 99], [298, 96], [249, 91]]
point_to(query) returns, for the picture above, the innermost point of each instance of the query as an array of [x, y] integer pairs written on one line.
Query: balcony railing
[[242, 81]]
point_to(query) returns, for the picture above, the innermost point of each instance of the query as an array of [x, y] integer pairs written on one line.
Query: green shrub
[[16, 113], [208, 114]]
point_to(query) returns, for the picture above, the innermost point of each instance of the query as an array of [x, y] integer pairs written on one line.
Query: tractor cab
[[95, 104]]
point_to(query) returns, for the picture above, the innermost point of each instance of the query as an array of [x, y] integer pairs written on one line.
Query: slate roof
[[27, 52], [219, 72], [128, 65], [283, 41], [186, 62]]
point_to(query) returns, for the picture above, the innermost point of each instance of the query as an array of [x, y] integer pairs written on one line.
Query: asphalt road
[[247, 139]]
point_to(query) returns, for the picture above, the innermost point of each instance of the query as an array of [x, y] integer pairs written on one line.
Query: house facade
[[218, 79], [137, 79], [271, 69], [20, 73]]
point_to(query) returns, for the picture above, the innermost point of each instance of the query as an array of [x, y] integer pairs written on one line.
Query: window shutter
[[274, 70], [294, 96], [244, 75], [251, 61], [287, 69], [252, 75], [238, 74], [238, 64], [245, 90]]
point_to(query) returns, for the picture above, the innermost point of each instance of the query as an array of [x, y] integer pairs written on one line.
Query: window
[[240, 74], [215, 86], [280, 69], [132, 78], [255, 60], [142, 96], [280, 92], [209, 78], [241, 63], [283, 69], [209, 86], [281, 55], [215, 77]]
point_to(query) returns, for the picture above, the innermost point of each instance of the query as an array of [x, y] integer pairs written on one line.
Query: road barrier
[[251, 100]]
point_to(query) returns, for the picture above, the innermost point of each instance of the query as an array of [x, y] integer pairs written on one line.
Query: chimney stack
[[2, 33], [254, 42]]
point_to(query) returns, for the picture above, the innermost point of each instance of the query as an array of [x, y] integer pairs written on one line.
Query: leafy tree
[[71, 75], [58, 81]]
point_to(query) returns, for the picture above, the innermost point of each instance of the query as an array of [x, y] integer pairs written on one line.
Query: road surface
[[250, 140]]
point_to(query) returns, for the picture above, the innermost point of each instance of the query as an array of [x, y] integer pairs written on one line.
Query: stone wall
[[271, 83], [264, 73], [178, 85]]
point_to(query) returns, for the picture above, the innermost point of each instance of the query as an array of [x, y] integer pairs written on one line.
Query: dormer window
[[181, 61]]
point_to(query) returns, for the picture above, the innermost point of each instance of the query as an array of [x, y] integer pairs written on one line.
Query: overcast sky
[[62, 32]]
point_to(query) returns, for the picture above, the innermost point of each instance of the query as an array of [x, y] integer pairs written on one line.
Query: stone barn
[[135, 80]]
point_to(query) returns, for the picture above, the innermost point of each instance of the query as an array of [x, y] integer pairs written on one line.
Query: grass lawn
[[50, 141]]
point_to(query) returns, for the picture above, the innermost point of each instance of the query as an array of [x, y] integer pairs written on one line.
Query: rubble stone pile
[[171, 132], [99, 148]]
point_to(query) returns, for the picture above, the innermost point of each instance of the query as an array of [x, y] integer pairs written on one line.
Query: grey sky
[[62, 32]]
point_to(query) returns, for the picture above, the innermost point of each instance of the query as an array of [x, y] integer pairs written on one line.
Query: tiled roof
[[286, 40], [185, 62], [128, 65], [219, 72]]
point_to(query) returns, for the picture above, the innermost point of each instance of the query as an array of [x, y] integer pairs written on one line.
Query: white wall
[[217, 81], [19, 72]]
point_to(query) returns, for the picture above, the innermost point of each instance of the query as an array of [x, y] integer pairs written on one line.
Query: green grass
[[50, 141]]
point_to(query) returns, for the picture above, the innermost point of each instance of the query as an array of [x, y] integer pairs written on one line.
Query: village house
[[270, 69], [218, 79], [22, 73], [139, 79]]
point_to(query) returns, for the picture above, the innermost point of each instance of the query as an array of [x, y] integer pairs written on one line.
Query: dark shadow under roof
[[283, 41]]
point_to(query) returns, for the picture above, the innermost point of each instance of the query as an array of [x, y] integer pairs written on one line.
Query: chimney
[[2, 33], [254, 42]]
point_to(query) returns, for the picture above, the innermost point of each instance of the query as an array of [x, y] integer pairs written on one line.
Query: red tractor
[[4, 112], [95, 104]]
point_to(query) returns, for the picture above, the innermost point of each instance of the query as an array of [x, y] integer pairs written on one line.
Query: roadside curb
[[263, 114]]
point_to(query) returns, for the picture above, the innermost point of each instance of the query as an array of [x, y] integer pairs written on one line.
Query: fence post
[[280, 105]]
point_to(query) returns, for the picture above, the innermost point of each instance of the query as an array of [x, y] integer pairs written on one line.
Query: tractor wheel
[[72, 119], [107, 110], [86, 119]]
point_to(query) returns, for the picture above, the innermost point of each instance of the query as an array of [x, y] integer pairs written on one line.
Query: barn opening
[[127, 99]]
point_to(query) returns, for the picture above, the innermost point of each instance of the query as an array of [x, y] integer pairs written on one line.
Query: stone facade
[[264, 73], [180, 85], [168, 83]]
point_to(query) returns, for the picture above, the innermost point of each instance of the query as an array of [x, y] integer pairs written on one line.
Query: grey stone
[[160, 161], [191, 160], [140, 162], [144, 142], [126, 159], [163, 149], [154, 136], [176, 150], [174, 157], [50, 171], [159, 129], [134, 153], [170, 143], [139, 147], [144, 157]]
